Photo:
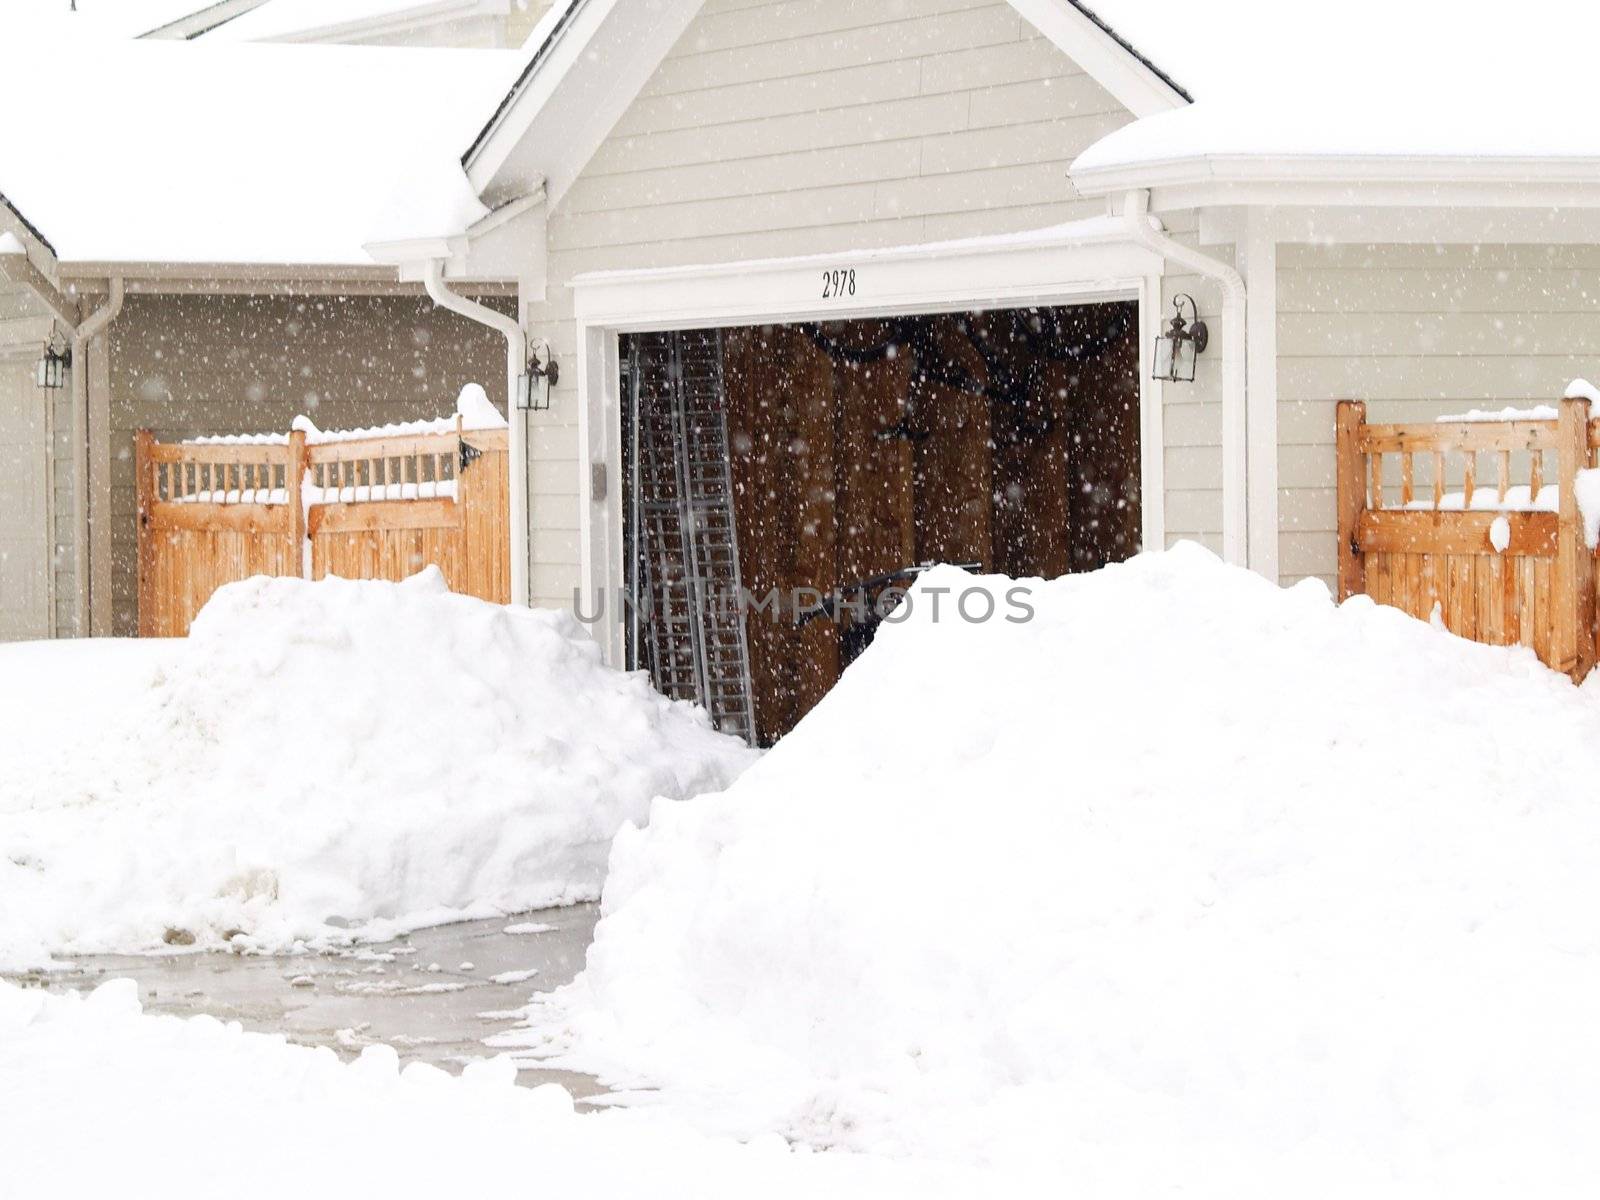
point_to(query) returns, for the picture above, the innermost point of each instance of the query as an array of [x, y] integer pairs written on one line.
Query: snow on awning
[[186, 153]]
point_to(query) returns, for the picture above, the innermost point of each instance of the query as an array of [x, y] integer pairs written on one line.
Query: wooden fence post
[[294, 477], [1574, 590], [1352, 483], [144, 480]]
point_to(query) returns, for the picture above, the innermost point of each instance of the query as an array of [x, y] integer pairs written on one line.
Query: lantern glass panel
[[1183, 360], [1163, 367]]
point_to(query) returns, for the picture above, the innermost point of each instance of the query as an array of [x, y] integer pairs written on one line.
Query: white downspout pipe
[[82, 335], [1147, 232], [516, 366]]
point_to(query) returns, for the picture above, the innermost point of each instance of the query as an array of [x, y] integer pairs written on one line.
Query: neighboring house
[[224, 241], [945, 235]]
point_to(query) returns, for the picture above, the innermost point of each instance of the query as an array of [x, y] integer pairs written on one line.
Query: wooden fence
[[1430, 538], [376, 508]]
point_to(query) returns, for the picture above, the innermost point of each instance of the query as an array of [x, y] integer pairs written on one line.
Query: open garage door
[[769, 464], [24, 525]]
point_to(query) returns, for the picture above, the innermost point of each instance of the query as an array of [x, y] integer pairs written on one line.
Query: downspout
[[1147, 232], [82, 335], [516, 367]]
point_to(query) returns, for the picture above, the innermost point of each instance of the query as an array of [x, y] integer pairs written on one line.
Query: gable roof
[[297, 155], [588, 59]]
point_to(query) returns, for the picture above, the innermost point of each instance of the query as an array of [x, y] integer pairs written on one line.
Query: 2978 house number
[[838, 283]]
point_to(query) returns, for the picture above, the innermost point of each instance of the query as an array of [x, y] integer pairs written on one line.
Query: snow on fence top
[[1539, 412], [473, 407]]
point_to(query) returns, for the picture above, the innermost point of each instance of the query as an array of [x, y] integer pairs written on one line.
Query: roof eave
[[1300, 178]]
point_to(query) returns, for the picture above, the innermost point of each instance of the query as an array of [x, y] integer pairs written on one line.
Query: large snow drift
[[99, 1099], [1188, 884], [318, 757]]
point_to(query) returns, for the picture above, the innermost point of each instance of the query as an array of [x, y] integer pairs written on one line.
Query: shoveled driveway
[[433, 995]]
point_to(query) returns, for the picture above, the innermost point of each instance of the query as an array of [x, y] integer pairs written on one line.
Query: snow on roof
[[102, 18], [1368, 78], [207, 153], [289, 18]]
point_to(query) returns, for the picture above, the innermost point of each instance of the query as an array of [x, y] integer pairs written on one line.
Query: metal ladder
[[686, 537]]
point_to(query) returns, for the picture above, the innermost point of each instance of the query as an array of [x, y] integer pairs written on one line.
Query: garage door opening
[[766, 466]]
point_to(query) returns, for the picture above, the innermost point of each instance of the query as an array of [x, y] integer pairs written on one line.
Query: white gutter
[[1147, 232], [82, 335], [516, 367]]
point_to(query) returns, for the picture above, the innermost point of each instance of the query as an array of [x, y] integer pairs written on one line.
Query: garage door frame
[[1074, 264]]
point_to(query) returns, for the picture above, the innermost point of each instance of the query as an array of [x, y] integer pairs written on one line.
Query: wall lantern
[[1184, 341], [52, 369], [533, 388]]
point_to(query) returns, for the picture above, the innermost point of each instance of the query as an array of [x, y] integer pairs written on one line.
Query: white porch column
[[1258, 247]]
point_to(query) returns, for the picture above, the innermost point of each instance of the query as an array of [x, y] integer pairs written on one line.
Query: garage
[[780, 479]]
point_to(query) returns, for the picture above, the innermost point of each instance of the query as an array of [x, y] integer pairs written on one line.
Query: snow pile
[[473, 406], [1188, 884], [323, 759], [100, 1099]]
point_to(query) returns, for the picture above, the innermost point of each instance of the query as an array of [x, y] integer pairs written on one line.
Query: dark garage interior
[[832, 456]]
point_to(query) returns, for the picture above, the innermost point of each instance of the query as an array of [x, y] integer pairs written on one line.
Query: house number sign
[[837, 284]]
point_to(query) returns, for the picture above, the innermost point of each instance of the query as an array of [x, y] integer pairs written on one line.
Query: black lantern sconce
[[533, 389], [1184, 341], [52, 370]]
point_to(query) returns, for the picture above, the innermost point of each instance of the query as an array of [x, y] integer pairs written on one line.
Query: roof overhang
[[1443, 182]]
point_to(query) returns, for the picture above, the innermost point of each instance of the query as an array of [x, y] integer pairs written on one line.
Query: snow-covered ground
[[98, 1099], [322, 761], [1190, 885]]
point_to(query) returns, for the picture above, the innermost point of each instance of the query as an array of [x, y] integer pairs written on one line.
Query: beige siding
[[24, 542], [1416, 331], [188, 365], [1192, 412], [805, 126]]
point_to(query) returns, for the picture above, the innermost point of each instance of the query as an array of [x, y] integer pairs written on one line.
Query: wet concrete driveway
[[433, 995]]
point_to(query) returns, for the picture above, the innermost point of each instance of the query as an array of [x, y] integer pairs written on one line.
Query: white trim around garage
[[1079, 263]]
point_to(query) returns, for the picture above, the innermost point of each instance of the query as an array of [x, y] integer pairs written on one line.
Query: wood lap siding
[[1417, 332], [799, 127]]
